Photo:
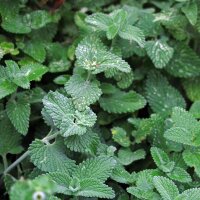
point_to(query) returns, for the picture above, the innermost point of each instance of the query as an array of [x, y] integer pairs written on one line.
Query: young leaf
[[65, 116], [82, 91], [159, 52], [119, 135], [99, 20], [126, 156], [185, 128], [167, 189], [162, 160], [179, 174], [92, 55], [133, 33], [19, 112]]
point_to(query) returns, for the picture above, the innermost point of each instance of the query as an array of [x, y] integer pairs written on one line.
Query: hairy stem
[[23, 156], [5, 162]]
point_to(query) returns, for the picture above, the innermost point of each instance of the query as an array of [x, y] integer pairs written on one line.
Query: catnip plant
[[99, 99]]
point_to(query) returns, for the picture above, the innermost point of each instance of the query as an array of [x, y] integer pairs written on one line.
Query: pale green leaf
[[133, 33], [191, 194], [192, 159], [50, 157], [99, 20], [83, 143], [94, 188], [179, 174], [92, 55], [82, 91], [185, 128], [127, 157], [159, 52], [162, 160], [167, 189], [65, 116], [99, 168]]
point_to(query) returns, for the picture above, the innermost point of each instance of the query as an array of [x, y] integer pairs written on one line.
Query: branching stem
[[23, 156]]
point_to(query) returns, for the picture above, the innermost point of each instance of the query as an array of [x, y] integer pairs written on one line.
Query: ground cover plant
[[99, 99]]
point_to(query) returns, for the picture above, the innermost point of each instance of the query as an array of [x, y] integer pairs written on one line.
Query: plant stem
[[23, 156], [5, 162], [88, 76]]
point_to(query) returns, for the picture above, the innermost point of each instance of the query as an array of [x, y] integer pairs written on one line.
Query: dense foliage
[[100, 99]]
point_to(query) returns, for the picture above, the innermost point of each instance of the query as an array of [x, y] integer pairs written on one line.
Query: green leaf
[[99, 20], [161, 96], [122, 102], [191, 87], [127, 157], [162, 160], [112, 31], [133, 33], [7, 48], [185, 128], [34, 71], [92, 55], [34, 49], [39, 18], [82, 91], [184, 63], [10, 139], [191, 12], [15, 75], [119, 135], [140, 194], [193, 194], [195, 109], [65, 116], [179, 174], [159, 52], [120, 175], [19, 113], [165, 187], [50, 157], [192, 159], [94, 188], [88, 187], [99, 168], [6, 88], [83, 143], [144, 183]]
